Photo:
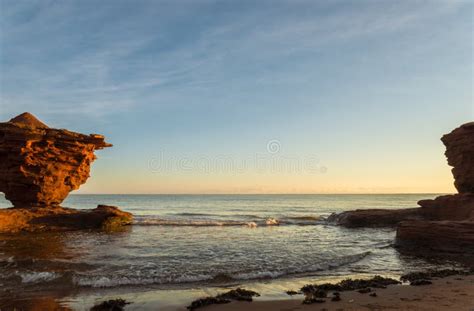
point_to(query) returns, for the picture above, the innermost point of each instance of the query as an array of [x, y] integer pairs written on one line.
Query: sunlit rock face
[[460, 153], [39, 165]]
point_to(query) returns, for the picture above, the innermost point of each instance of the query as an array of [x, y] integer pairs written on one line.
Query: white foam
[[272, 222], [38, 277], [251, 223]]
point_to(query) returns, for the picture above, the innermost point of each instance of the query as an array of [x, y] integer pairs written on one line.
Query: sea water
[[195, 240]]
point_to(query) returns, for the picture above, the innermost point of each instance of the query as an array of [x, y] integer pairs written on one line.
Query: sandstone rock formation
[[445, 224], [40, 219], [453, 230], [39, 166], [437, 236], [460, 153], [374, 217]]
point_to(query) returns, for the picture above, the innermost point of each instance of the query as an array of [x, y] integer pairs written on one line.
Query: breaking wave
[[135, 279], [38, 277], [206, 222]]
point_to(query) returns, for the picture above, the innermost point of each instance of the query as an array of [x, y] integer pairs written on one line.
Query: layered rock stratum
[[460, 153], [39, 167]]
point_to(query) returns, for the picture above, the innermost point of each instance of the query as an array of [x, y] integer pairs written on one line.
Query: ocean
[[195, 241]]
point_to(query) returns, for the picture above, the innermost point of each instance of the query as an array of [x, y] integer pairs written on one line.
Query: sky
[[247, 96]]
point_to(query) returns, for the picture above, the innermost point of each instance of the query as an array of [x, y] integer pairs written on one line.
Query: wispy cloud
[[91, 59]]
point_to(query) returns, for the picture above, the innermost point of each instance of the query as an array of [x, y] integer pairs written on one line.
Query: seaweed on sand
[[238, 294], [111, 305]]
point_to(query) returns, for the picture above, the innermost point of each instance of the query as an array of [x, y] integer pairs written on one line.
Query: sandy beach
[[450, 293]]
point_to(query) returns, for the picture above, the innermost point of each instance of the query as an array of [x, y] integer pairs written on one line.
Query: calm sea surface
[[187, 240]]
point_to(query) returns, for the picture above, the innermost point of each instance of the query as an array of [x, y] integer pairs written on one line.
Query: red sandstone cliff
[[453, 230], [445, 224], [39, 166]]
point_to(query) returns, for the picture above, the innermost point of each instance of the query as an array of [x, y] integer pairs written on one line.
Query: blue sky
[[365, 87]]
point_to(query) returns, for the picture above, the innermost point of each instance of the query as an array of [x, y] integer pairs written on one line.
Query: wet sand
[[451, 293]]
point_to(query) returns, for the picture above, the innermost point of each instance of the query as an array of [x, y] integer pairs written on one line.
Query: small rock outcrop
[[41, 219], [363, 218], [39, 165]]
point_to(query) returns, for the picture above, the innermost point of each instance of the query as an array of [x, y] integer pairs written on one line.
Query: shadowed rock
[[449, 221], [460, 153]]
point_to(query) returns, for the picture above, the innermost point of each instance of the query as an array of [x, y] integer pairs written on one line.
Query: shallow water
[[193, 241]]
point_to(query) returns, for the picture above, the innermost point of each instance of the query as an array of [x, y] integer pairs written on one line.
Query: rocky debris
[[238, 294], [292, 292], [314, 293], [460, 153], [108, 218], [111, 305], [374, 294], [39, 165], [350, 284], [203, 302], [430, 274]]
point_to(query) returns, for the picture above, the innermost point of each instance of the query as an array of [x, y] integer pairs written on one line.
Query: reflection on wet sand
[[34, 246], [32, 304]]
